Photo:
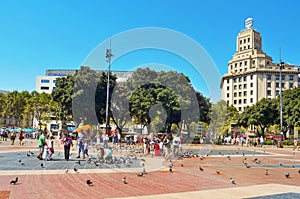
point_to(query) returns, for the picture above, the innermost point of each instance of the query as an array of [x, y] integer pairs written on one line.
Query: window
[[244, 40], [235, 87], [234, 80], [277, 92], [227, 94], [282, 77], [251, 92], [234, 102], [253, 62], [45, 80], [251, 100], [245, 85], [251, 77], [277, 85], [291, 85], [227, 81], [241, 64], [245, 93], [54, 81], [235, 94], [269, 84], [241, 41], [240, 86], [235, 65], [269, 77], [240, 108], [268, 62], [240, 79], [251, 84], [268, 92], [291, 77], [249, 39], [248, 46], [245, 78], [277, 77], [44, 87], [245, 101], [54, 88], [240, 94], [228, 88], [241, 48], [245, 63], [240, 101], [282, 85]]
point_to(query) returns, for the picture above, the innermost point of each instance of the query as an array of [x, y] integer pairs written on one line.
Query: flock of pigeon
[[127, 160]]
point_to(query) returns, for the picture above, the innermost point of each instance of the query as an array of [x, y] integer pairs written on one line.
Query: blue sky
[[40, 35]]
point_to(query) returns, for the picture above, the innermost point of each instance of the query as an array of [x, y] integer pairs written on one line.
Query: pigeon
[[124, 180], [255, 160], [182, 165], [14, 181], [76, 170], [140, 174], [42, 165], [232, 181], [31, 153], [19, 160], [67, 171], [299, 171], [144, 171], [58, 153], [267, 172], [22, 163], [248, 166], [89, 182], [287, 175], [200, 168], [258, 162], [18, 153], [218, 171], [78, 162], [170, 170], [28, 155]]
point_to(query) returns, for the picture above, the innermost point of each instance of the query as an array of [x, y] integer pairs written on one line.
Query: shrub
[[268, 142], [288, 142]]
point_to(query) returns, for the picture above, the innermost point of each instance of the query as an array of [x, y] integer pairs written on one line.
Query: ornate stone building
[[252, 75]]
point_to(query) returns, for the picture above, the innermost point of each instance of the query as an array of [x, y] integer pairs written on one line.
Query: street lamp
[[280, 95], [108, 57]]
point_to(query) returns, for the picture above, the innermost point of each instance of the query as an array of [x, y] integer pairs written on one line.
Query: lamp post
[[280, 95], [108, 57]]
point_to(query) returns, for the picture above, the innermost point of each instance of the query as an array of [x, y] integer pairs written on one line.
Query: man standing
[[41, 143], [80, 139]]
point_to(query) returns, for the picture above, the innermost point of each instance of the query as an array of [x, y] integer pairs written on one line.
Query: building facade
[[252, 75], [47, 83]]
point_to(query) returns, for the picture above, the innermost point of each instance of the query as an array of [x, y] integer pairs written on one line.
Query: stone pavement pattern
[[187, 181]]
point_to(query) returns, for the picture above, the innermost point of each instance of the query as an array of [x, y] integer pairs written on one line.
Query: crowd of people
[[167, 145]]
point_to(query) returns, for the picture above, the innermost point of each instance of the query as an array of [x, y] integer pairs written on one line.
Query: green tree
[[63, 96], [15, 105], [262, 114], [290, 109]]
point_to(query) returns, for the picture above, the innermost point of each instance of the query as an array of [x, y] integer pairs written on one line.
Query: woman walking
[[67, 142]]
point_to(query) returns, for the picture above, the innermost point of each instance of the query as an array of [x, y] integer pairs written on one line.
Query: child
[[46, 155], [51, 146]]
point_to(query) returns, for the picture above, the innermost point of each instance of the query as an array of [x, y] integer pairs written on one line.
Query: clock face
[[248, 23]]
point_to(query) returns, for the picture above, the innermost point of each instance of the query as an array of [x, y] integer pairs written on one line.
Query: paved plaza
[[246, 165]]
